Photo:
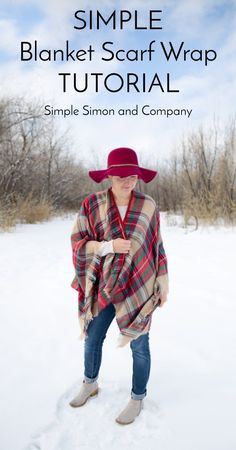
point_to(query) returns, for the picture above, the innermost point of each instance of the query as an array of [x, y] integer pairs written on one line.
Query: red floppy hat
[[122, 162]]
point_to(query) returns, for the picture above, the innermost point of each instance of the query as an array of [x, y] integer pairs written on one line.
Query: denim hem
[[138, 396], [90, 380]]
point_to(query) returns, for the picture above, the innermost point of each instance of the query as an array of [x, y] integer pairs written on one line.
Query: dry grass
[[24, 210]]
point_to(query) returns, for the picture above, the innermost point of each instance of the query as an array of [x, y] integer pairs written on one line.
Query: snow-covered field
[[192, 389]]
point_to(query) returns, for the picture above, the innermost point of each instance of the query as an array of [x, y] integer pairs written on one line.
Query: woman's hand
[[160, 299], [163, 298], [121, 245], [161, 289]]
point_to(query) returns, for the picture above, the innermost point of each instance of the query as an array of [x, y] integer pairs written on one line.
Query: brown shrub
[[24, 210]]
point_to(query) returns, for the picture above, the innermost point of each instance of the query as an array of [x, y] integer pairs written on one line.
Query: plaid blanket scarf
[[131, 281]]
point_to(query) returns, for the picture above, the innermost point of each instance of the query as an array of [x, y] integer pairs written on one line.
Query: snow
[[191, 390]]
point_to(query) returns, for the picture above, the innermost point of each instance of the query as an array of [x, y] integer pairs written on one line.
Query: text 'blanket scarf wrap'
[[131, 281]]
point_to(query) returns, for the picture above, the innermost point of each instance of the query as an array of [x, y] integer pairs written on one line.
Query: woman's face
[[123, 185]]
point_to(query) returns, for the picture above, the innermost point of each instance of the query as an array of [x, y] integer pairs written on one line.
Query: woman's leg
[[141, 366], [94, 341]]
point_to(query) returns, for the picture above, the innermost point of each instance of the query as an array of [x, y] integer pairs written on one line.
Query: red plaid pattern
[[129, 281]]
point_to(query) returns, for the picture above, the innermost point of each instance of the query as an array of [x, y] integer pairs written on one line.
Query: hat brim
[[145, 174]]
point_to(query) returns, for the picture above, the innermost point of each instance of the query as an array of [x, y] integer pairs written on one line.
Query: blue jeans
[[93, 353]]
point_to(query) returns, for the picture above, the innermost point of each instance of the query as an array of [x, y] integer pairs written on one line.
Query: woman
[[120, 271]]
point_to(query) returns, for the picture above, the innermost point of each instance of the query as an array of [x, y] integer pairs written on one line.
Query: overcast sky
[[208, 90]]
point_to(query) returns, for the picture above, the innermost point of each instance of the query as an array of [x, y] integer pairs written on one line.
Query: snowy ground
[[191, 391]]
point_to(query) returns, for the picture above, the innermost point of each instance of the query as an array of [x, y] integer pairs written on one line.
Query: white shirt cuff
[[105, 248]]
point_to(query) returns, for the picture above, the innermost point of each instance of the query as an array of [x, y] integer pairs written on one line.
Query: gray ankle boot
[[87, 390], [131, 411]]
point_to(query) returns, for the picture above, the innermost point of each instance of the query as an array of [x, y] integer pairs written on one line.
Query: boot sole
[[93, 394], [124, 423]]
